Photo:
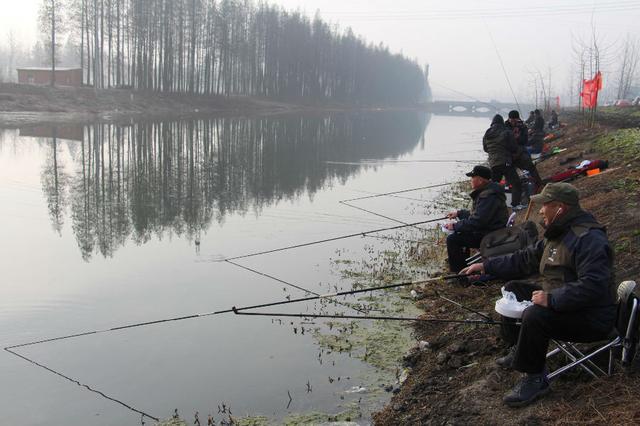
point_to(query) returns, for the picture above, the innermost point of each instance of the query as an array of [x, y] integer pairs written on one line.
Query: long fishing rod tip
[[323, 296]]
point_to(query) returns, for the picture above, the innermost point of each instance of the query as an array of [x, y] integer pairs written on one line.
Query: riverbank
[[22, 104], [455, 380]]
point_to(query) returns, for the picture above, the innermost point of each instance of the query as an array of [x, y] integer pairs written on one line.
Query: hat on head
[[514, 114], [482, 171], [497, 119], [562, 192]]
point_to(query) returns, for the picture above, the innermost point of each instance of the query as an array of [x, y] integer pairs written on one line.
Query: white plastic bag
[[583, 164], [508, 306], [445, 230]]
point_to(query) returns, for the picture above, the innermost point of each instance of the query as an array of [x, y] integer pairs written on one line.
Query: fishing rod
[[371, 317], [400, 197], [384, 194], [238, 311], [326, 240], [244, 308], [373, 162]]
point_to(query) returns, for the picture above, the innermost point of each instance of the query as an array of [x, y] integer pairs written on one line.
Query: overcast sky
[[454, 37]]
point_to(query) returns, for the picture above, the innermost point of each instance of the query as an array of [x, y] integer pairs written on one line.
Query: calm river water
[[106, 225]]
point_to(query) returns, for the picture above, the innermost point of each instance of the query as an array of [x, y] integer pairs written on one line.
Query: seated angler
[[575, 298], [488, 213]]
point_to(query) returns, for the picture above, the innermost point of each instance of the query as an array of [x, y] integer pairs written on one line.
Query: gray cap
[[562, 192]]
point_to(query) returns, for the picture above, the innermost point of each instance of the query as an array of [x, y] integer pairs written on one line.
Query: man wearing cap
[[575, 298], [488, 213]]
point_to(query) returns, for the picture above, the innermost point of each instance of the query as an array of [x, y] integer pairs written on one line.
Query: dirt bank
[[27, 104], [455, 380]]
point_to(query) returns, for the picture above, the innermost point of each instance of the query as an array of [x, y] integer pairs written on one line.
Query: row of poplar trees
[[234, 47]]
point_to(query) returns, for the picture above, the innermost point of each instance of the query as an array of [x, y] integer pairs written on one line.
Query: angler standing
[[499, 143], [537, 134], [522, 159], [575, 298], [488, 213], [531, 119], [553, 123]]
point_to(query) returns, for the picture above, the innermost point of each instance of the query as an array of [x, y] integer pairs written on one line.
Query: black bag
[[508, 240]]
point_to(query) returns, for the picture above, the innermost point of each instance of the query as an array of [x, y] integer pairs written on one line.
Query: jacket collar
[[573, 217]]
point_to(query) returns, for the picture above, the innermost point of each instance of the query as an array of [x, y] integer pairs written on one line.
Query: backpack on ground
[[508, 240]]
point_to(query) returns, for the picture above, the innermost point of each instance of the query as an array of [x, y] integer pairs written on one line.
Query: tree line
[[228, 47]]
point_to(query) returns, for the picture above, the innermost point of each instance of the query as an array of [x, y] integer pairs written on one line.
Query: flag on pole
[[590, 89]]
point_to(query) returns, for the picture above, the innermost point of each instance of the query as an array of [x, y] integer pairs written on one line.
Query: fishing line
[[246, 268], [464, 94], [255, 271], [96, 391], [504, 70], [326, 240], [466, 308], [379, 215], [401, 240], [371, 317]]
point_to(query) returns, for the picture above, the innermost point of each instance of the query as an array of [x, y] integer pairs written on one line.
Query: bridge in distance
[[476, 108]]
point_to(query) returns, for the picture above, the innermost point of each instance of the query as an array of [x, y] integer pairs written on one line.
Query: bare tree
[[591, 55], [236, 47], [629, 57], [50, 17]]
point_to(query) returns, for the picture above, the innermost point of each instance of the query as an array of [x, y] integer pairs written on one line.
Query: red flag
[[590, 89]]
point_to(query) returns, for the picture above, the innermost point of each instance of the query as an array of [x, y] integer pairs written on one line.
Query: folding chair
[[625, 336]]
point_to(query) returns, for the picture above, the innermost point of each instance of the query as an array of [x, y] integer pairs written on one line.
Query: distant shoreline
[[22, 104]]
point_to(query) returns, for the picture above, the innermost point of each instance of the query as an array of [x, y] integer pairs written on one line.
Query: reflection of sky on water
[[135, 215]]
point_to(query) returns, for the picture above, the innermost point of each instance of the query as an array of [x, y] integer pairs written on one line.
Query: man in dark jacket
[[531, 119], [522, 159], [488, 213], [553, 123], [536, 141], [574, 301], [499, 143]]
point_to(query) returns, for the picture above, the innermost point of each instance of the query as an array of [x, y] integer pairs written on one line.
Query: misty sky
[[455, 37]]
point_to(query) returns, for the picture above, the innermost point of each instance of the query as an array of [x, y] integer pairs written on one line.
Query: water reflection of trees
[[177, 177], [54, 185]]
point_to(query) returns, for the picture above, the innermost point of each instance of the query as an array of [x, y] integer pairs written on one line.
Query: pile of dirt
[[454, 379]]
